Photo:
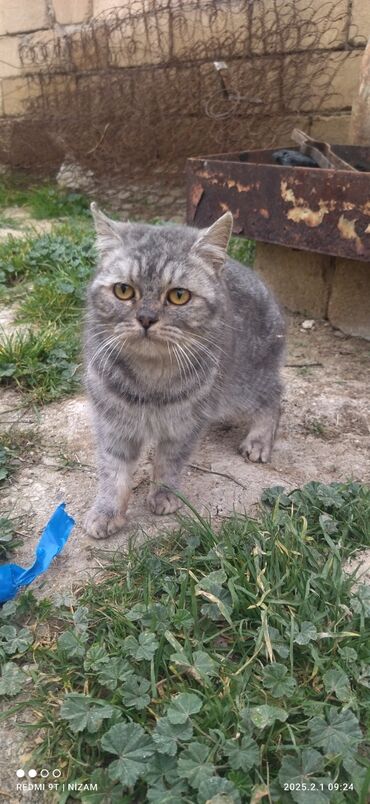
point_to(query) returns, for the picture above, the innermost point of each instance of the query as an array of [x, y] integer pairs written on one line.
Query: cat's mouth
[[149, 337]]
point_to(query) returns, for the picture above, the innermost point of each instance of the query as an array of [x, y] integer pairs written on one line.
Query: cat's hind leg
[[258, 444]]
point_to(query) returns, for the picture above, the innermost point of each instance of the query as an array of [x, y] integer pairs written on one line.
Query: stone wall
[[25, 25], [318, 286]]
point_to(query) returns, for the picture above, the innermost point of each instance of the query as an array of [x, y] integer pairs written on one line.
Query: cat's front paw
[[100, 525], [163, 502], [256, 449]]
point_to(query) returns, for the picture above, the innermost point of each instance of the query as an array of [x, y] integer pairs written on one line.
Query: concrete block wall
[[21, 21], [318, 286]]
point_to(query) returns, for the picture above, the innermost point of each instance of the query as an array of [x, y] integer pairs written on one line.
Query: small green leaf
[[243, 755], [83, 713], [193, 764], [81, 619], [134, 692], [182, 706], [217, 790], [337, 681], [137, 612], [265, 715], [95, 657], [182, 619], [160, 794], [72, 644], [212, 582], [277, 680], [348, 654], [360, 602], [204, 664], [161, 768], [181, 659], [300, 773], [307, 633], [279, 645], [133, 748], [12, 679], [106, 791], [13, 642], [328, 524], [339, 733], [275, 494], [166, 735], [109, 675], [143, 648]]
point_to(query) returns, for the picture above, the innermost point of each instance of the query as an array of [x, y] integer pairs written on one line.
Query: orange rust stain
[[347, 230], [230, 183], [301, 212], [310, 217], [241, 188], [223, 206], [265, 213], [196, 194], [366, 208]]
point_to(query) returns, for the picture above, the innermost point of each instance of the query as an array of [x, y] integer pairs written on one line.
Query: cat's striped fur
[[217, 357]]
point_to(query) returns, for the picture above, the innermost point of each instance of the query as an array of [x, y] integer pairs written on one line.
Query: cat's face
[[157, 285]]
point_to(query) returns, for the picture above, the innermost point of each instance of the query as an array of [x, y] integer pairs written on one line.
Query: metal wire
[[136, 91]]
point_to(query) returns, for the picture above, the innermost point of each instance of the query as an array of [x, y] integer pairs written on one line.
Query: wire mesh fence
[[137, 90]]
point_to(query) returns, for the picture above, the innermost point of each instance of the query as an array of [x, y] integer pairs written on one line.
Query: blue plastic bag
[[53, 539]]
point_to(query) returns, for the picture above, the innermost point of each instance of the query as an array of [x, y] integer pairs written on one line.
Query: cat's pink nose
[[147, 318]]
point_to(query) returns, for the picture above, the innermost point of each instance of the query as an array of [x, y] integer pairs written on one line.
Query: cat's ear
[[109, 233], [213, 242]]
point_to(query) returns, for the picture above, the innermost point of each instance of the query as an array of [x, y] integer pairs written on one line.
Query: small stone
[[48, 460], [339, 334], [308, 324]]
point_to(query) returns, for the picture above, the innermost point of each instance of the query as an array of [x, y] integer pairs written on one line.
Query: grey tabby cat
[[177, 336]]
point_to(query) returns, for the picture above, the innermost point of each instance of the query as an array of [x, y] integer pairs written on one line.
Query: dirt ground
[[324, 435]]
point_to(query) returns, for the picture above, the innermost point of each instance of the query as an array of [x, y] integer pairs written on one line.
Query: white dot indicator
[[44, 773], [20, 773], [57, 773], [32, 773]]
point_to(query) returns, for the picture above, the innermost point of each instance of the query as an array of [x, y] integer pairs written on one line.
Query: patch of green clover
[[163, 700]]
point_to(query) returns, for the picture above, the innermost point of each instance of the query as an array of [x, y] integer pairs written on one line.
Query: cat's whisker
[[110, 352], [213, 343], [192, 369], [204, 350], [198, 362], [100, 349], [107, 347], [179, 363]]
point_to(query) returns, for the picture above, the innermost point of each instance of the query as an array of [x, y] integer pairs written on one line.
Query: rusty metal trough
[[314, 209]]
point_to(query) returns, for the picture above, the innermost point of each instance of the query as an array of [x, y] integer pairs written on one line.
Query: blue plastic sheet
[[53, 539]]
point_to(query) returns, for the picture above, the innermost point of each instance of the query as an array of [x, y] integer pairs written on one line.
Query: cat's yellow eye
[[178, 296], [123, 292]]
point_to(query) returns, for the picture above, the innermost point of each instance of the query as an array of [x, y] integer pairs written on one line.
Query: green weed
[[42, 200], [224, 666], [42, 363], [49, 274], [317, 428], [9, 539], [242, 250], [11, 446]]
